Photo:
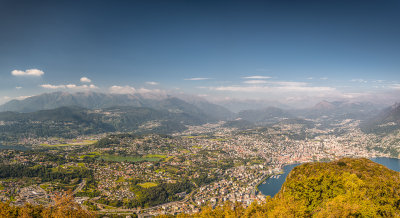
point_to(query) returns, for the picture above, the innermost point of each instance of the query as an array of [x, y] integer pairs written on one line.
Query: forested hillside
[[343, 188]]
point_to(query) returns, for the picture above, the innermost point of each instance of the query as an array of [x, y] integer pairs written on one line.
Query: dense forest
[[45, 173], [343, 188]]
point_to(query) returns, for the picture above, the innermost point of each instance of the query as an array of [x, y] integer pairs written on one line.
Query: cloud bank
[[131, 90], [197, 78], [122, 90], [30, 72], [69, 86], [85, 80], [257, 77]]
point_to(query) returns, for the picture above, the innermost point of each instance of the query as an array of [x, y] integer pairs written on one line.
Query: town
[[156, 174]]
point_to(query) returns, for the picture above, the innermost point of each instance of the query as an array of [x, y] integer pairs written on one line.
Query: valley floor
[[159, 174]]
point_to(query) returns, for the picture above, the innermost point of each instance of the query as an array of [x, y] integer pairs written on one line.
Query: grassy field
[[184, 151], [171, 169], [148, 184], [168, 158], [120, 179], [219, 140], [161, 156], [74, 143], [196, 136], [91, 154], [116, 158], [160, 171], [87, 155]]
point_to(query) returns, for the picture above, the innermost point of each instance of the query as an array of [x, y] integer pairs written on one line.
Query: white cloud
[[152, 83], [285, 83], [257, 77], [197, 78], [69, 86], [323, 78], [23, 97], [395, 86], [6, 98], [277, 89], [143, 90], [49, 86], [255, 82], [30, 72], [122, 90], [85, 80], [358, 80], [132, 90], [18, 87]]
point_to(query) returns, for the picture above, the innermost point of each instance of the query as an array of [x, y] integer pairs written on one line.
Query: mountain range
[[385, 122], [70, 114], [265, 116], [185, 109], [96, 100]]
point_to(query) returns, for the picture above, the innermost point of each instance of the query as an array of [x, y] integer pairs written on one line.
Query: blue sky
[[288, 51]]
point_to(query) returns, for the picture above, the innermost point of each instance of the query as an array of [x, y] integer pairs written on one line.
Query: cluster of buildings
[[236, 160]]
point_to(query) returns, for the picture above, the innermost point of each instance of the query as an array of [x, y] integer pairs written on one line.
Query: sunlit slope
[[343, 188]]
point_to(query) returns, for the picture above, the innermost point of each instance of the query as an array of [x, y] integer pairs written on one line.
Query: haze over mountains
[[96, 100], [185, 109], [385, 122]]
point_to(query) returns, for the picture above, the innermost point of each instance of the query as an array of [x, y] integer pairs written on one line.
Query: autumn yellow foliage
[[64, 206], [342, 188]]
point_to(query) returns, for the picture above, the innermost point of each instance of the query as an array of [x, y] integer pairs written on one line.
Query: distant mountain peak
[[98, 100], [396, 106], [324, 105]]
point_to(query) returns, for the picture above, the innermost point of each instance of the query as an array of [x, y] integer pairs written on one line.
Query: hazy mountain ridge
[[74, 121], [194, 110], [325, 111], [385, 122], [340, 110], [96, 100], [265, 116]]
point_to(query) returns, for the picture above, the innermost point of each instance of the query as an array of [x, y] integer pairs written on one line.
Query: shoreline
[[261, 181], [282, 170]]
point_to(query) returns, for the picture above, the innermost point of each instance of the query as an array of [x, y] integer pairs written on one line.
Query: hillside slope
[[343, 188], [385, 122], [265, 116], [70, 122], [96, 100]]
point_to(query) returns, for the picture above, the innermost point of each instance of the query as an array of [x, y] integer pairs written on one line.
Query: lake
[[272, 185], [391, 163]]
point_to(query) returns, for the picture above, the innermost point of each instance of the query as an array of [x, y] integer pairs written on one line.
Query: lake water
[[391, 163], [273, 185]]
